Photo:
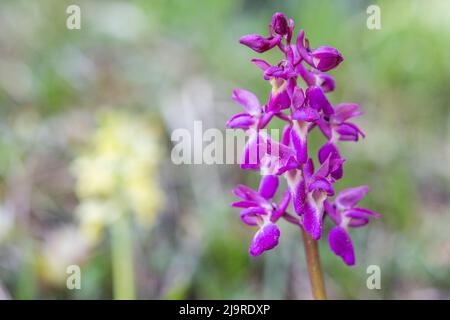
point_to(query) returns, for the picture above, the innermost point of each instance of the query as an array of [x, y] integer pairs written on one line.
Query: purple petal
[[345, 111], [278, 100], [259, 43], [313, 219], [299, 197], [260, 63], [279, 72], [265, 239], [299, 143], [285, 165], [302, 50], [368, 212], [252, 216], [348, 198], [248, 194], [308, 76], [292, 55], [248, 100], [330, 151], [348, 132], [244, 204], [282, 207], [357, 219], [279, 158], [324, 169], [290, 31], [332, 212], [336, 167], [325, 82], [359, 216], [341, 244], [321, 183], [283, 116], [325, 127], [298, 97], [268, 186], [265, 119], [318, 100], [306, 114], [308, 169], [251, 157], [326, 150], [286, 136], [241, 120]]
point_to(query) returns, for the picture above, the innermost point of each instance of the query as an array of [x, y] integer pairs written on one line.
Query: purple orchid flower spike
[[345, 215], [303, 108]]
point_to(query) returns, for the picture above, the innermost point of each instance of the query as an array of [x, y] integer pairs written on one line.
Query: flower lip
[[341, 244], [265, 239]]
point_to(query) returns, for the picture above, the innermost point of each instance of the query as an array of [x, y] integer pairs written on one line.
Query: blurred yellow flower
[[96, 176], [117, 173]]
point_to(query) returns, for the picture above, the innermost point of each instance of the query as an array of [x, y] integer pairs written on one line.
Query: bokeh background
[[85, 172]]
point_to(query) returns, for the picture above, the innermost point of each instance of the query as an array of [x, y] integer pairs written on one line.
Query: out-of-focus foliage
[[86, 178]]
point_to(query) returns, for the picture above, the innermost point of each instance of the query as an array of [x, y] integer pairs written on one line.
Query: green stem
[[314, 267], [122, 259]]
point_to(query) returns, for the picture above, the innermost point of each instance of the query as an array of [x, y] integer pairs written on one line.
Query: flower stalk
[[314, 267], [122, 259]]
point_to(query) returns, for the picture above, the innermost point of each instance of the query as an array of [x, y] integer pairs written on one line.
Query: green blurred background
[[85, 172]]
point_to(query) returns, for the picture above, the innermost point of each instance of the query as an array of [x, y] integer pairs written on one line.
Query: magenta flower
[[344, 214], [303, 109], [260, 211], [335, 126]]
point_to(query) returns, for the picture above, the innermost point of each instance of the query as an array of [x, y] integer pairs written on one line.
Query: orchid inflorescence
[[308, 188]]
